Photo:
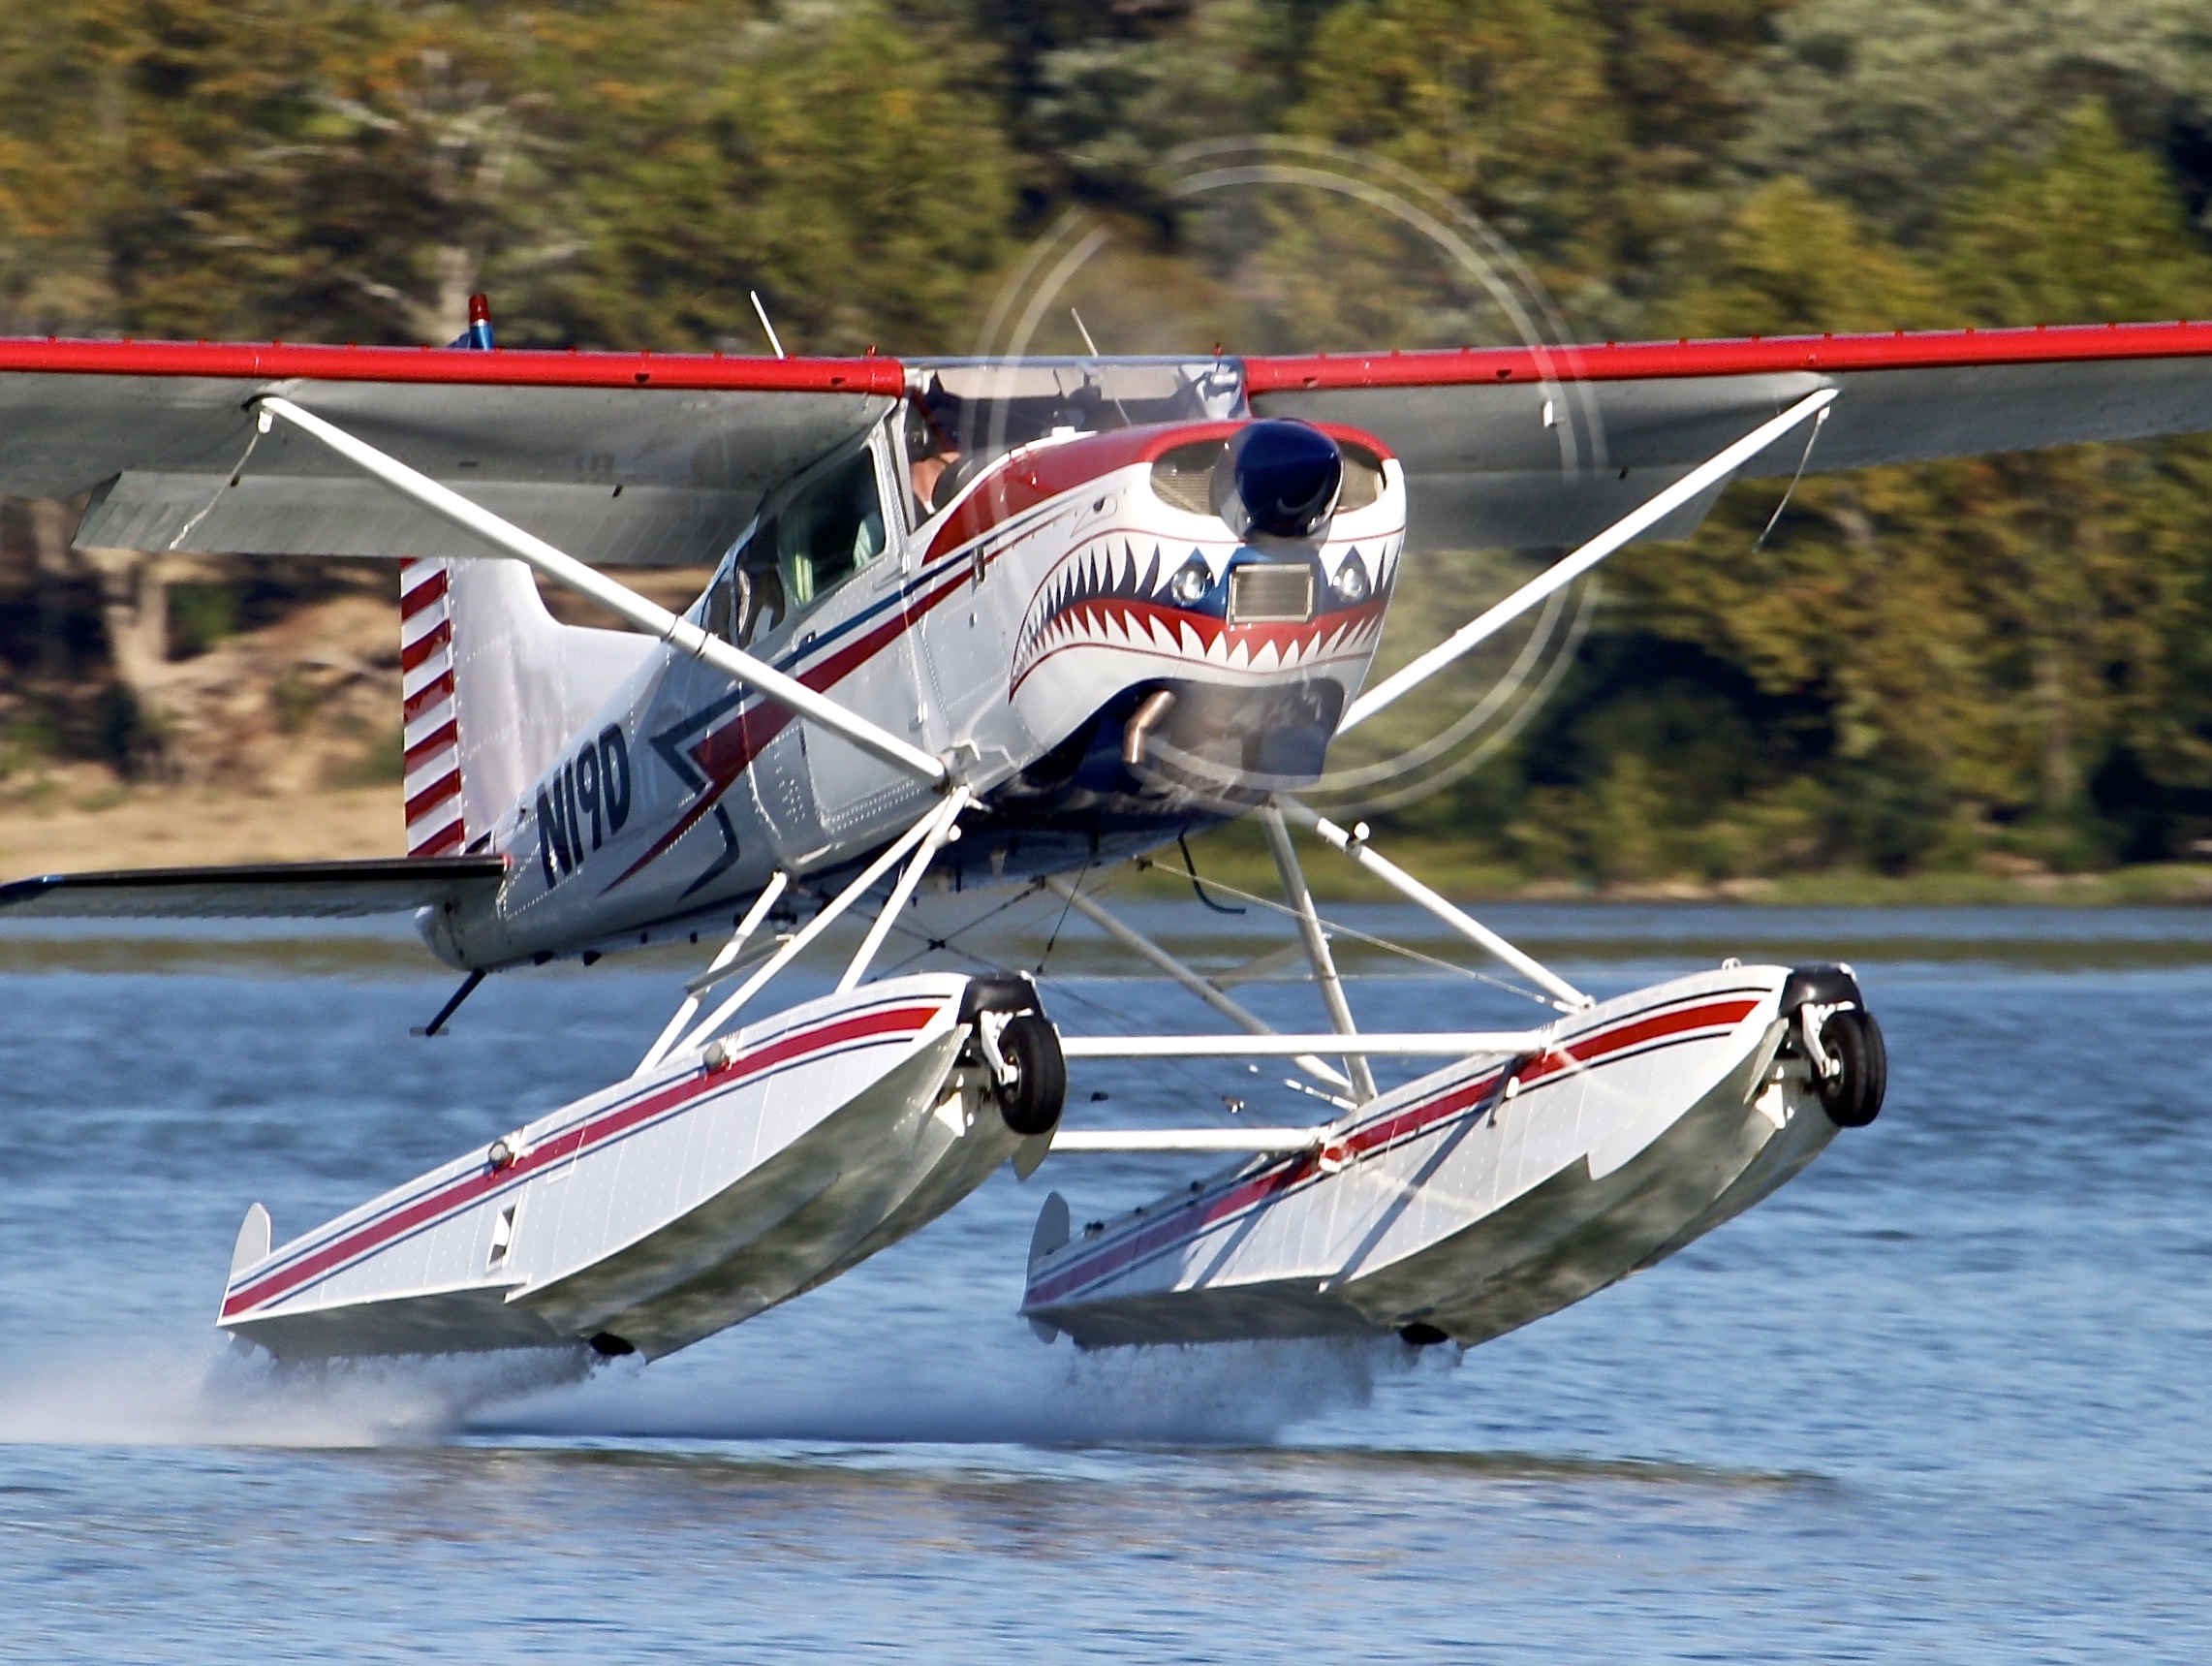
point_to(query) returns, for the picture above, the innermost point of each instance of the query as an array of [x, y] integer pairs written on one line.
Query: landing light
[[1190, 585], [1350, 583]]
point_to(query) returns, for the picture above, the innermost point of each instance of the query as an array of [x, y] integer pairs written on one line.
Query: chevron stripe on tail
[[435, 823]]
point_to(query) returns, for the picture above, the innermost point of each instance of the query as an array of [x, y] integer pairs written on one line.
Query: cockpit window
[[830, 530], [748, 601], [962, 416], [821, 537]]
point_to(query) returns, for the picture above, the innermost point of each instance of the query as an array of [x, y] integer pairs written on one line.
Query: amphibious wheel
[[1852, 1096], [1029, 1102]]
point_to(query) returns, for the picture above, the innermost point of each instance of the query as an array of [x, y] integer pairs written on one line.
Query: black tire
[[1031, 1102], [1852, 1096]]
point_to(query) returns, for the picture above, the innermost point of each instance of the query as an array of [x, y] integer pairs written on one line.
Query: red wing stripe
[[889, 1022], [1644, 361], [507, 368]]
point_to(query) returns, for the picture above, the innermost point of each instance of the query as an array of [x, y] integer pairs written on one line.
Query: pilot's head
[[930, 449]]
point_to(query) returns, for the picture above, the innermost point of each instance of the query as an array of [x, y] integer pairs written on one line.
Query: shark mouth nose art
[[1166, 604]]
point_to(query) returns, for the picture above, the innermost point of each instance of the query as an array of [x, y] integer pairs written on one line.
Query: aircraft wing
[[660, 459], [617, 458], [265, 891], [1517, 448]]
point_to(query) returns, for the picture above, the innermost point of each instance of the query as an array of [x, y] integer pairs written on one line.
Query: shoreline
[[77, 821]]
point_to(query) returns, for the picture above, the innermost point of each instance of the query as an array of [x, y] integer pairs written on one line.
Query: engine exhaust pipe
[[1146, 717]]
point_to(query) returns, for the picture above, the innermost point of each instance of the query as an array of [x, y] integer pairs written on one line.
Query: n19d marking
[[592, 787]]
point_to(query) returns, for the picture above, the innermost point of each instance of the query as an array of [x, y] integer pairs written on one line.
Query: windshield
[[961, 416]]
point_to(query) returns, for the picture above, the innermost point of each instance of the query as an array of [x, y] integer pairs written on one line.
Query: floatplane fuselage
[[1106, 643]]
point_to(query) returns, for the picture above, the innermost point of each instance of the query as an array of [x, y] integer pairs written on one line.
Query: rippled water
[[1945, 1397]]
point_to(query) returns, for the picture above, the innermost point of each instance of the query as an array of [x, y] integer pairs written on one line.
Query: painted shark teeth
[[1114, 595]]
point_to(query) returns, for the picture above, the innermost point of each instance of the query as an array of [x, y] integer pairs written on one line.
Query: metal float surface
[[663, 1208], [1484, 1195]]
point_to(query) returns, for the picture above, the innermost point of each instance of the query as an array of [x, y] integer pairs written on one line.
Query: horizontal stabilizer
[[260, 891]]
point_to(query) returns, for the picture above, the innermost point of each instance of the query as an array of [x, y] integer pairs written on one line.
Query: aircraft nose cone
[[1279, 477]]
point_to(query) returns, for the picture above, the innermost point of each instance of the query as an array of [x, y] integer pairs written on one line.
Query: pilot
[[930, 452]]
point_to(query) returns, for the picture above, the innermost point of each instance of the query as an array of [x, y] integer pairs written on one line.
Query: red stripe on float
[[891, 1020], [1398, 1125]]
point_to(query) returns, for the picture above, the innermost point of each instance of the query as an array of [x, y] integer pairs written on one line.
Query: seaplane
[[980, 631]]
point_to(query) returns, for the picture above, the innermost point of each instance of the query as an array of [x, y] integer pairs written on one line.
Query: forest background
[[1979, 671]]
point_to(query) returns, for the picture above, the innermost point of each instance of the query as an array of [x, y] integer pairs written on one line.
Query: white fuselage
[[1013, 632]]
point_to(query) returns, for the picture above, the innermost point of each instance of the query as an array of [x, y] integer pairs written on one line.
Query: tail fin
[[492, 688], [491, 685], [431, 765]]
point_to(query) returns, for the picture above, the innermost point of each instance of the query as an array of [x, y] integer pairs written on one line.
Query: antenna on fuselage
[[766, 326]]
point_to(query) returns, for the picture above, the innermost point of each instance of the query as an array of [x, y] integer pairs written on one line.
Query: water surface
[[1943, 1398]]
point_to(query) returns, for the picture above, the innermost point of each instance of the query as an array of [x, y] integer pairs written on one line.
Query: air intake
[[1184, 476], [1272, 592]]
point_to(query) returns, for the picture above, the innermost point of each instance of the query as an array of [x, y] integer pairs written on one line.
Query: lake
[[1944, 1397]]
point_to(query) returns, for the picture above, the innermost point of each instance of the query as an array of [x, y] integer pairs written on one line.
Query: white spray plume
[[214, 1395], [1223, 1393]]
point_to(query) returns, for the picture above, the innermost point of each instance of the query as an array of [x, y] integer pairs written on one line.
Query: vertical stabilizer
[[492, 687], [491, 684], [433, 764]]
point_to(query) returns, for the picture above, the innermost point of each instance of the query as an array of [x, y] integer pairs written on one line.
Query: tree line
[[1917, 668]]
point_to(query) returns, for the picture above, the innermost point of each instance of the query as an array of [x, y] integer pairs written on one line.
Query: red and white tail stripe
[[432, 733]]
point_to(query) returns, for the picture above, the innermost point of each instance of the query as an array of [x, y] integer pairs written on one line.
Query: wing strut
[[563, 568], [1565, 572], [1255, 1141], [437, 1025], [1375, 1044]]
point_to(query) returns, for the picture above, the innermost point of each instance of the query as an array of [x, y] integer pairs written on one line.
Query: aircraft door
[[749, 606], [846, 533]]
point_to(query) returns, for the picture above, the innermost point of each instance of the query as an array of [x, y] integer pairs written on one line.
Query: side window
[[746, 602], [759, 605], [830, 530], [719, 599]]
